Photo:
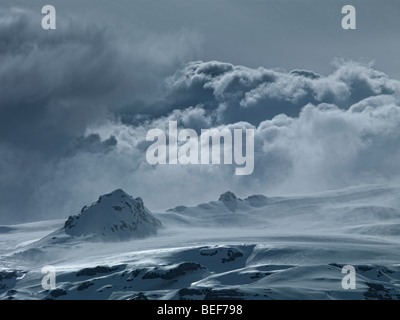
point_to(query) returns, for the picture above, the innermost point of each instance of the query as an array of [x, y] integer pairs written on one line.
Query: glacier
[[259, 247]]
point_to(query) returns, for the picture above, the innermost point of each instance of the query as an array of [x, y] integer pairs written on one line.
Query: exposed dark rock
[[58, 293], [379, 292], [95, 270], [6, 274], [168, 274], [85, 285], [232, 255], [139, 296], [189, 293], [208, 252], [227, 196], [229, 199]]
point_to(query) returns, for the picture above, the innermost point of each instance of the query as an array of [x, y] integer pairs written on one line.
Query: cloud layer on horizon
[[75, 110]]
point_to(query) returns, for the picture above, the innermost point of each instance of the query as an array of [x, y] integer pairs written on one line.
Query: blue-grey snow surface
[[254, 248]]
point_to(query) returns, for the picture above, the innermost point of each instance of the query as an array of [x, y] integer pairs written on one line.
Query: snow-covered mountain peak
[[227, 196], [257, 200], [229, 199], [114, 216]]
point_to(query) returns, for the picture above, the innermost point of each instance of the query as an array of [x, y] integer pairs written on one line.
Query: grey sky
[[270, 33], [75, 103]]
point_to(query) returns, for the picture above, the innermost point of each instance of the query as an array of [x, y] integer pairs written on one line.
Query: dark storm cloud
[[56, 84], [52, 84], [76, 104], [93, 143], [241, 93]]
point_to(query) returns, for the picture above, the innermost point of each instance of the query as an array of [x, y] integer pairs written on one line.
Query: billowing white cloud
[[75, 110], [324, 147], [241, 93]]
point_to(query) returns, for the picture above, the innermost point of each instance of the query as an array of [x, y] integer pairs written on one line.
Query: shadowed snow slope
[[291, 247]]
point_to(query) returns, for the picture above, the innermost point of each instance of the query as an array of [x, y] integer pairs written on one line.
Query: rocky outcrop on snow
[[115, 216], [229, 199]]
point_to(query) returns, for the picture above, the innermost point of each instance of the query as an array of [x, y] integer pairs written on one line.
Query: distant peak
[[115, 216], [227, 196], [257, 200], [117, 192], [229, 200]]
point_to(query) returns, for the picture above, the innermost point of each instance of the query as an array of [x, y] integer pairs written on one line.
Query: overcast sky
[[76, 102], [269, 33]]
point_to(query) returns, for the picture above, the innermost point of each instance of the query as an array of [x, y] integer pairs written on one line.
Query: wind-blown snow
[[266, 248]]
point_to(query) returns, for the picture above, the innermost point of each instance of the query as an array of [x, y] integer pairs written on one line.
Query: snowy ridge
[[254, 248], [220, 272]]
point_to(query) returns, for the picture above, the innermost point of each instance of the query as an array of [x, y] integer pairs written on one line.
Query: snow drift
[[259, 247]]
